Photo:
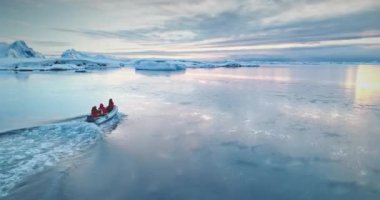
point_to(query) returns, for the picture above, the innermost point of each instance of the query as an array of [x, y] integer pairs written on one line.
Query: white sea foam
[[28, 151]]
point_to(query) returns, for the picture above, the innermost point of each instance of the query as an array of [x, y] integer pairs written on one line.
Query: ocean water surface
[[273, 132]]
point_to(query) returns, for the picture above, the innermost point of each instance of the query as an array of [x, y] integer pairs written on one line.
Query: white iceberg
[[64, 67], [74, 54], [158, 65], [78, 55], [18, 49]]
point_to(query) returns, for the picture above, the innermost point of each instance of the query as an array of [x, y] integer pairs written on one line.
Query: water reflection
[[159, 73], [270, 74], [22, 76], [249, 128], [367, 84]]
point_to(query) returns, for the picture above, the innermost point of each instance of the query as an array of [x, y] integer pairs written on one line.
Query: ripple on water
[[27, 151]]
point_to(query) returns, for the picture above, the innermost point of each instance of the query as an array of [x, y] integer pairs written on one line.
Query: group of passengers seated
[[102, 110]]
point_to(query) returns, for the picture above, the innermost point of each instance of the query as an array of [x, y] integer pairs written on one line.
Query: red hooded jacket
[[94, 112], [102, 109], [110, 105]]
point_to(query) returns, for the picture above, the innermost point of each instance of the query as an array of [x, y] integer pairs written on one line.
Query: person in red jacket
[[94, 112], [110, 105], [102, 109]]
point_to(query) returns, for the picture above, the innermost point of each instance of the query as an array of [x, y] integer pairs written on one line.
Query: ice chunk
[[158, 65], [18, 49]]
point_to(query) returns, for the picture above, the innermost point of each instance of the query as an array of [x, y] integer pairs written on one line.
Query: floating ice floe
[[158, 65]]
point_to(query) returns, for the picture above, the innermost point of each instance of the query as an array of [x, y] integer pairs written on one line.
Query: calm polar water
[[298, 132]]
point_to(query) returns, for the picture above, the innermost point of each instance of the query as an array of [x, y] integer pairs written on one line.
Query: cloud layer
[[200, 29]]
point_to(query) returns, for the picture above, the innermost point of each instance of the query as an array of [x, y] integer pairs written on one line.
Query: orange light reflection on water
[[365, 80], [367, 87]]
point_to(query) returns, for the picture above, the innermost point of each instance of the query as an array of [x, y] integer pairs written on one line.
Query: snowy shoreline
[[82, 65], [18, 56], [85, 65]]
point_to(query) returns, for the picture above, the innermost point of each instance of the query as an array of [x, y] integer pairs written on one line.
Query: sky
[[277, 30]]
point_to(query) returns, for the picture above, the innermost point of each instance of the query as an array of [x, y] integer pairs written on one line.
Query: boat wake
[[24, 152]]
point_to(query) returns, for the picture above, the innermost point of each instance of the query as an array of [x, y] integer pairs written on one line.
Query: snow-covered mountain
[[18, 49], [74, 54], [18, 56]]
